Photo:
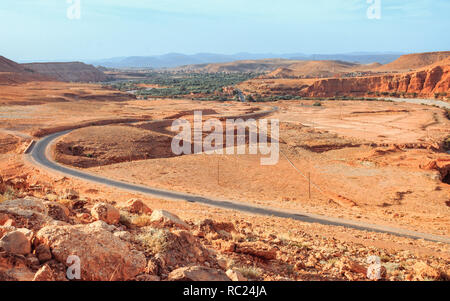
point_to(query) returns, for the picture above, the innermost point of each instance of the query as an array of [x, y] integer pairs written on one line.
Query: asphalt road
[[40, 155]]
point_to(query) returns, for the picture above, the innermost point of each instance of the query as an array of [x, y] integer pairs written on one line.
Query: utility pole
[[309, 184]]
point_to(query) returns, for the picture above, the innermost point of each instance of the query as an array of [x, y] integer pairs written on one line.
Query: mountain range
[[173, 60]]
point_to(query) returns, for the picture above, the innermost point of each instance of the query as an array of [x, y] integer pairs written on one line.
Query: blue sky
[[41, 30]]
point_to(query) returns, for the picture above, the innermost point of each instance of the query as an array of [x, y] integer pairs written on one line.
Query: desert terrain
[[369, 162]]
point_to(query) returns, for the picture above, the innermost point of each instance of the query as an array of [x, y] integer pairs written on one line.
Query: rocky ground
[[130, 241]]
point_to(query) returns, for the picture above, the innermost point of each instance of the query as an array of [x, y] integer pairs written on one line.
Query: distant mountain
[[173, 60]]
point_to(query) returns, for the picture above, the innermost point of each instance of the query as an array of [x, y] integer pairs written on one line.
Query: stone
[[106, 212], [57, 211], [29, 213], [32, 260], [197, 273], [71, 194], [148, 278], [28, 203], [167, 219], [136, 206], [43, 253], [15, 242], [45, 273], [124, 235], [235, 275], [257, 249], [6, 229], [103, 226], [103, 257], [14, 268]]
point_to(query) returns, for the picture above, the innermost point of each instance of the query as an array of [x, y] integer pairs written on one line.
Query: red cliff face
[[425, 83]]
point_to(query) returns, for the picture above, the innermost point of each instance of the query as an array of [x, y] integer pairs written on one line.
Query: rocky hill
[[68, 72], [132, 242], [14, 73], [425, 82]]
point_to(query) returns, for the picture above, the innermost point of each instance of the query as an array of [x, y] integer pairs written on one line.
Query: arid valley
[[363, 171]]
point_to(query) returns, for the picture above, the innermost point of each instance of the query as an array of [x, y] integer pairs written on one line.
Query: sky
[[55, 30]]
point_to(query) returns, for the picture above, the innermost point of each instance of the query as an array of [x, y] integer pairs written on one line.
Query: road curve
[[40, 155]]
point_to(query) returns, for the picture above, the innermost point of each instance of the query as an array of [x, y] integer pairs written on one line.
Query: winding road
[[39, 154]]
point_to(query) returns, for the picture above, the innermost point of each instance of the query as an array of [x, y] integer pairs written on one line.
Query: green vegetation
[[9, 194], [205, 86]]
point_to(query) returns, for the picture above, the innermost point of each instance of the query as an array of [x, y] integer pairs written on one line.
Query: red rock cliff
[[425, 83]]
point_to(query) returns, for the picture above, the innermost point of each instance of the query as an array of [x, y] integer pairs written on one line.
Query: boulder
[[14, 268], [197, 273], [136, 206], [29, 213], [15, 242], [103, 257], [28, 204], [57, 211], [6, 229], [167, 219], [101, 225], [106, 212], [235, 275], [43, 253]]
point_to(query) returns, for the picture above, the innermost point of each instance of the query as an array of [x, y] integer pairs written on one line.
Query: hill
[[258, 66], [415, 61], [174, 60], [311, 69], [14, 73], [68, 72]]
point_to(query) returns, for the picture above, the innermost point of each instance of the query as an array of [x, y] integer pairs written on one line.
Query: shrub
[[317, 104], [251, 273], [447, 143], [154, 240]]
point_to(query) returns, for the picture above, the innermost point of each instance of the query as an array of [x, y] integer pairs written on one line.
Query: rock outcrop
[[423, 83], [103, 256]]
